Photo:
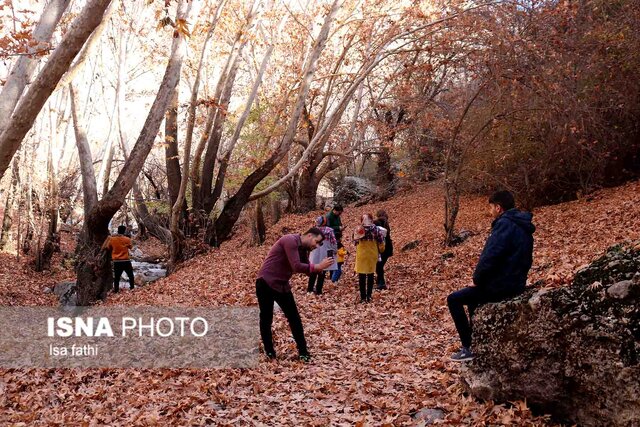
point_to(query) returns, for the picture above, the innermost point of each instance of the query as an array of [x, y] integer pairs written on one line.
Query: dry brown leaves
[[373, 364], [20, 285]]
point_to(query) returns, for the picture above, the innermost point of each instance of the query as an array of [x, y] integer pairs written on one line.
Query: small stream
[[146, 272]]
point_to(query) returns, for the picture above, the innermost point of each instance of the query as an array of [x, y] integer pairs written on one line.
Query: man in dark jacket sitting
[[502, 270]]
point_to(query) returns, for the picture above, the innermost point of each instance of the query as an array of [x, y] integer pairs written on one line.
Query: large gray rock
[[146, 272], [66, 293], [428, 416], [573, 352], [353, 189]]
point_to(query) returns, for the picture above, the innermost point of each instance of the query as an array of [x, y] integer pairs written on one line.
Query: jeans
[[266, 298], [316, 279], [381, 283], [335, 276], [368, 278], [118, 268], [472, 297]]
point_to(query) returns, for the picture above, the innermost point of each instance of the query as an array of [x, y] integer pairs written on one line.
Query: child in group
[[328, 249], [342, 253]]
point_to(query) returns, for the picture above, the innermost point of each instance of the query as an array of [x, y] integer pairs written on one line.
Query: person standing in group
[[334, 222], [328, 249], [382, 220], [501, 272], [342, 255], [287, 256], [369, 243], [119, 246]]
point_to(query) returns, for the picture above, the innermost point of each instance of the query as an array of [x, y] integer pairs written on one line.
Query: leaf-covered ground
[[373, 364]]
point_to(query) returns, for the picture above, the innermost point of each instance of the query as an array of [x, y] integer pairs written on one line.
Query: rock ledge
[[572, 352]]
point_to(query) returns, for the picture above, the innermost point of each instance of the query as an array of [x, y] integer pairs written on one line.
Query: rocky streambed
[[145, 270]]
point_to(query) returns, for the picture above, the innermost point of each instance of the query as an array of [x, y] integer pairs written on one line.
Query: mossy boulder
[[573, 352]]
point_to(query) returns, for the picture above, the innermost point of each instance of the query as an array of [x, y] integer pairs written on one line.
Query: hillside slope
[[373, 364]]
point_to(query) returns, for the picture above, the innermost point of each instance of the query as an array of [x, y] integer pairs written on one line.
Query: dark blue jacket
[[507, 255]]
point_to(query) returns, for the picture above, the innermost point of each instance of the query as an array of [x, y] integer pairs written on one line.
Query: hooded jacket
[[507, 255]]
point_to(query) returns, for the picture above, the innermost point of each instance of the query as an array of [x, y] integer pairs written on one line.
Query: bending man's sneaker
[[463, 355], [306, 358]]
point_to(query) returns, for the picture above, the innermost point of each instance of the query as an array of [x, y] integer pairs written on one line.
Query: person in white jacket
[[328, 249]]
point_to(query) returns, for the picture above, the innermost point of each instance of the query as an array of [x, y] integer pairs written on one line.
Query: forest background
[[183, 118]]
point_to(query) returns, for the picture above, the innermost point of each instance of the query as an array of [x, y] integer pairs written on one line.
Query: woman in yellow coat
[[369, 243]]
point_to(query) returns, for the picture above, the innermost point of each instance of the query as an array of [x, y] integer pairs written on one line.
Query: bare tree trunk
[[451, 208], [28, 235], [108, 164], [307, 189], [19, 232], [51, 242], [391, 120], [196, 176], [89, 186], [276, 211], [177, 237], [384, 173], [259, 227], [104, 174], [93, 269], [34, 99], [25, 65], [117, 119], [223, 96], [452, 169], [7, 219], [172, 158], [191, 112], [321, 163]]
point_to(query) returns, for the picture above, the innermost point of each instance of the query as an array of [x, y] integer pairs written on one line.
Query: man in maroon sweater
[[289, 255]]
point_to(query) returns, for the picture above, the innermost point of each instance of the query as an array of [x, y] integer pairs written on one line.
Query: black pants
[[365, 294], [472, 297], [381, 283], [118, 268], [266, 298], [316, 279]]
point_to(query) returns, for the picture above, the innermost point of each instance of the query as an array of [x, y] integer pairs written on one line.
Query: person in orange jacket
[[119, 246]]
